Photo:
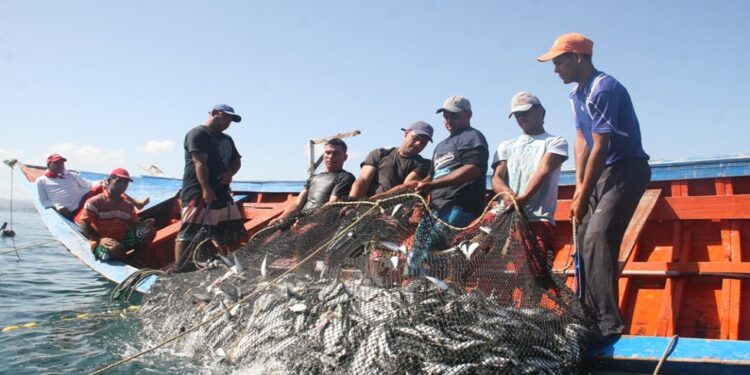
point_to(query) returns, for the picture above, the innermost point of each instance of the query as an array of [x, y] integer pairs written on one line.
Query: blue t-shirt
[[603, 105], [467, 147]]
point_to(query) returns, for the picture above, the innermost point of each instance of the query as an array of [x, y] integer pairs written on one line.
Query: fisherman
[[457, 183], [528, 167], [110, 222], [388, 168], [65, 191], [211, 160], [326, 187], [612, 173]]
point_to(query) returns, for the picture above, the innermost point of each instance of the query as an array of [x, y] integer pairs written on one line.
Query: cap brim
[[449, 109], [520, 108], [551, 54], [236, 118], [418, 132]]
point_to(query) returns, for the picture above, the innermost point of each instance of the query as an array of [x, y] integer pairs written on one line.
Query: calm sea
[[47, 286]]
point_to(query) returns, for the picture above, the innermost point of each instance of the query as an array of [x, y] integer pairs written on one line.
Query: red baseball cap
[[121, 173], [570, 42], [55, 157]]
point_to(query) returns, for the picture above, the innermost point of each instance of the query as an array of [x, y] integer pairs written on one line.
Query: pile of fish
[[307, 325]]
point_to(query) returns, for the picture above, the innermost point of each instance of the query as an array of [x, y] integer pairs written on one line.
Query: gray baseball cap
[[421, 128], [522, 102], [455, 104]]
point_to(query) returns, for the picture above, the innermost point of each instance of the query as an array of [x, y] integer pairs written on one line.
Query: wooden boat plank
[[689, 355], [637, 222], [706, 207]]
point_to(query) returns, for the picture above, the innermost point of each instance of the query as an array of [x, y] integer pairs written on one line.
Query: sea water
[[48, 286]]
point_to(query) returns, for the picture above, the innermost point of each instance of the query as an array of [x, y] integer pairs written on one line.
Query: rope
[[11, 199], [10, 231], [16, 249], [128, 286], [573, 248], [77, 316], [666, 353], [375, 205], [229, 307]]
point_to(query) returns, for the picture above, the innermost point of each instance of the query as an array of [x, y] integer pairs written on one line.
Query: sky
[[118, 84]]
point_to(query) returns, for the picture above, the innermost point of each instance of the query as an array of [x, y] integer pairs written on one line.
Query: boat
[[685, 259], [163, 207]]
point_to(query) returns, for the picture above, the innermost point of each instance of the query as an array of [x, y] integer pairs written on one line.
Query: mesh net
[[385, 287]]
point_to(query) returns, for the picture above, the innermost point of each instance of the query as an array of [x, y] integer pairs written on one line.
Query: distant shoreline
[[19, 205]]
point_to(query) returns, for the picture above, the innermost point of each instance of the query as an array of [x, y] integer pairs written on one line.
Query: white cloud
[[156, 147], [10, 154], [86, 157]]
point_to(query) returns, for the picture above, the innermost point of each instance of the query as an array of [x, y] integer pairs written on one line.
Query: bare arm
[[593, 169], [292, 209], [461, 175], [89, 231], [234, 167], [581, 151], [361, 185], [413, 176], [549, 163], [200, 160], [498, 178]]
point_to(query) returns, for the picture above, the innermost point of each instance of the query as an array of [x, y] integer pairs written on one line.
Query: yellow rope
[[78, 316], [27, 246]]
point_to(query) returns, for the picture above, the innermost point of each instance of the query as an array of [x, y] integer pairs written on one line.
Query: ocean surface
[[50, 287]]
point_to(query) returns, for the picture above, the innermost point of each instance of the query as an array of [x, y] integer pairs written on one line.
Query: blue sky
[[111, 84]]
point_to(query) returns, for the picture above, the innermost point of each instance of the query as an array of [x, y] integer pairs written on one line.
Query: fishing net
[[377, 287]]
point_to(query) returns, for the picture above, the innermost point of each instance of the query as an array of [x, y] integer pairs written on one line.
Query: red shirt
[[109, 218]]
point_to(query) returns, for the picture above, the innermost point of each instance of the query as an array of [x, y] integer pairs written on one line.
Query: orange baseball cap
[[570, 42]]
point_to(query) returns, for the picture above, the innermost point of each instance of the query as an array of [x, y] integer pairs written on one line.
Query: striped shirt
[[109, 218]]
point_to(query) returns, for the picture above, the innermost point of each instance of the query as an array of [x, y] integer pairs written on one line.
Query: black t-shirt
[[467, 147], [221, 151], [392, 168], [322, 186]]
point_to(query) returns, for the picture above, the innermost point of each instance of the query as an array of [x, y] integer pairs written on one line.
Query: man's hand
[[423, 187], [578, 209], [140, 204], [109, 243], [225, 178], [208, 196], [62, 210]]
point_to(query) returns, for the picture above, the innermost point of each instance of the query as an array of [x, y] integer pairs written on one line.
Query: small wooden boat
[[164, 208], [685, 259]]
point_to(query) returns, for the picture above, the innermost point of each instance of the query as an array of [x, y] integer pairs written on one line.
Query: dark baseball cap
[[228, 110], [421, 128]]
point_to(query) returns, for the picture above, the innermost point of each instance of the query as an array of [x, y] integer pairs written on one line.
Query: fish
[[227, 315], [468, 248], [200, 298], [237, 265], [395, 209], [264, 268], [394, 261], [440, 284], [225, 260]]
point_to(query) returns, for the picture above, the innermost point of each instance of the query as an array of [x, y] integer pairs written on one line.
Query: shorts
[[223, 221], [134, 238]]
